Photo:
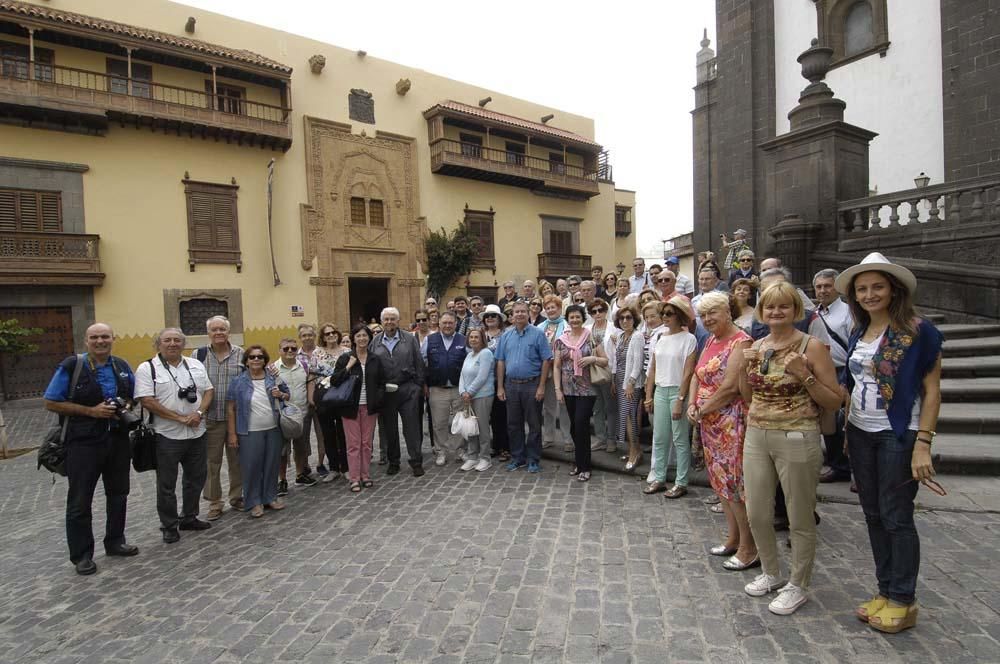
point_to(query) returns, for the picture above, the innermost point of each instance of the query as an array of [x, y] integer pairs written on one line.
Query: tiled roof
[[12, 7], [510, 120]]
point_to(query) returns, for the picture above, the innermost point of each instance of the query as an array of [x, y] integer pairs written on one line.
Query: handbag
[[142, 439], [598, 374], [340, 396], [290, 420], [465, 424], [52, 451]]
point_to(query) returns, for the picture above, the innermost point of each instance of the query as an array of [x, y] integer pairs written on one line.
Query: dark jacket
[[375, 381], [88, 393], [444, 365], [404, 364]]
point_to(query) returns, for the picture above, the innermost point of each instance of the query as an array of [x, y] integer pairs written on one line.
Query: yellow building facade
[[135, 158]]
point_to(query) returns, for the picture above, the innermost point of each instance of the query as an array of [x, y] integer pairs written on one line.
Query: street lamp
[[620, 267], [921, 180]]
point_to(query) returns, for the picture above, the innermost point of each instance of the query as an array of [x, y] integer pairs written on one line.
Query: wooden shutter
[[8, 211], [30, 211], [51, 205], [213, 225], [561, 242], [480, 223]]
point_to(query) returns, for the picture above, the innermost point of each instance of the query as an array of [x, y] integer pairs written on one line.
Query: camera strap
[[171, 373]]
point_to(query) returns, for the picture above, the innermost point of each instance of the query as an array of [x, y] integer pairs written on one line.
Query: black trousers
[[580, 410], [334, 441], [191, 455], [87, 462], [403, 403], [498, 422]]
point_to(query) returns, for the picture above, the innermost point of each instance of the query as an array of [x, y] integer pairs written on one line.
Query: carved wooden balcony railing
[[55, 90], [67, 259], [477, 162], [563, 265]]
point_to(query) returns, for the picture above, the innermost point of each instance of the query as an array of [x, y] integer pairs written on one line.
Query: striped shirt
[[220, 374]]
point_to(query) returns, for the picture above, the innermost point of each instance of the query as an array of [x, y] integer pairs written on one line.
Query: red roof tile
[[12, 7], [512, 121]]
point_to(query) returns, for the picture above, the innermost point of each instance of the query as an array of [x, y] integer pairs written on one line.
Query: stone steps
[[970, 390], [985, 366], [971, 347], [970, 418], [967, 330]]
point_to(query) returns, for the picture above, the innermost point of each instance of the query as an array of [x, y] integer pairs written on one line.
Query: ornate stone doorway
[[367, 298], [361, 221]]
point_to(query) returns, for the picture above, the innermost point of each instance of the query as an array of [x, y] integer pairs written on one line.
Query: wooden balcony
[[79, 100], [50, 259], [562, 265], [476, 162]]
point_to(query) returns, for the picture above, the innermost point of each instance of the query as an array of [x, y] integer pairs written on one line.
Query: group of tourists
[[748, 376]]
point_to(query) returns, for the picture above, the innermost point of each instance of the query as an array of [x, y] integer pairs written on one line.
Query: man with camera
[[96, 443], [177, 392]]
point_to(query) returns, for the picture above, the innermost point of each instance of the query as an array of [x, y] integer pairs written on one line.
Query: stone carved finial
[[705, 41], [402, 86], [316, 63], [817, 104], [815, 62]]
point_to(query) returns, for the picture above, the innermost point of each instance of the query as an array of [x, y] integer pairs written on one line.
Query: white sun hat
[[875, 262]]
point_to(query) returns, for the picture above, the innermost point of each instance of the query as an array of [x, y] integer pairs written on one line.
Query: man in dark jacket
[[96, 444], [404, 367], [445, 356]]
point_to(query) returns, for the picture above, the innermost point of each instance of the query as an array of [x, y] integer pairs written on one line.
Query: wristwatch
[[199, 413]]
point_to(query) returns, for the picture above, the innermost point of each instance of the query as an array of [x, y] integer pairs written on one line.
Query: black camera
[[125, 417], [190, 393]]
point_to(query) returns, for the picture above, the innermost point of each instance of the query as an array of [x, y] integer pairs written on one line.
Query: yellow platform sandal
[[894, 618], [871, 607]]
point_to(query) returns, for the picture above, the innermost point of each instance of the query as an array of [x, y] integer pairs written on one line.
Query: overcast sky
[[629, 65]]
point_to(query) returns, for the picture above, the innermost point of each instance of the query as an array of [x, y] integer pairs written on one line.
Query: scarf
[[574, 348], [560, 324]]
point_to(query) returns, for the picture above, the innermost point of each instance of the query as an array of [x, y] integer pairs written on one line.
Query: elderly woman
[[573, 353], [788, 378], [894, 378], [671, 366], [624, 350], [477, 385], [715, 404], [432, 319], [604, 406], [360, 414], [333, 444], [545, 288], [554, 410], [608, 289], [252, 403], [535, 307], [744, 292]]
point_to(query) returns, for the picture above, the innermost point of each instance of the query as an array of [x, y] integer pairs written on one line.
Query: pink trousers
[[359, 431]]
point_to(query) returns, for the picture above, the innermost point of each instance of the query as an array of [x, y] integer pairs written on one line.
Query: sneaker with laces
[[534, 467], [516, 465], [484, 464], [305, 480], [468, 465], [789, 598], [282, 487], [440, 459], [762, 585]]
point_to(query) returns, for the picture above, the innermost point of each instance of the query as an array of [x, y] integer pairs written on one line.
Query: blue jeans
[[881, 465], [523, 408], [260, 454]]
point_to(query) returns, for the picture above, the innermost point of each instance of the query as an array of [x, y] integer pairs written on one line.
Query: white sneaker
[[484, 464], [762, 585], [468, 465], [789, 598], [441, 459]]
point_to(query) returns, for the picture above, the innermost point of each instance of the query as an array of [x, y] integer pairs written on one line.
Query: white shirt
[[261, 415], [867, 406], [168, 382], [295, 378], [838, 317], [637, 284], [671, 352]]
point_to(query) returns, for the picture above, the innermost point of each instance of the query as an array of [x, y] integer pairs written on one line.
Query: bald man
[[86, 392]]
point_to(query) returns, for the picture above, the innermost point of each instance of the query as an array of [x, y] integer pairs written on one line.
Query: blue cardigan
[[901, 362]]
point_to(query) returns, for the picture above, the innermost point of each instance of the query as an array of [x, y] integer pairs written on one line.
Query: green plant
[[449, 256], [14, 338]]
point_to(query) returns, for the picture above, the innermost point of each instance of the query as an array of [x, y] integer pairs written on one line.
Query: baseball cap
[[673, 260]]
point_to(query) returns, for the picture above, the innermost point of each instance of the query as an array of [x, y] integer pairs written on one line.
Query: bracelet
[[932, 433], [925, 440], [809, 380]]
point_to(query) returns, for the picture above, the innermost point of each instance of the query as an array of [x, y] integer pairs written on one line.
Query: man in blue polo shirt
[[524, 359]]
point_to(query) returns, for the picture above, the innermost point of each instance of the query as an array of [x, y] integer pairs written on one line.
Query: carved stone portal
[[379, 170]]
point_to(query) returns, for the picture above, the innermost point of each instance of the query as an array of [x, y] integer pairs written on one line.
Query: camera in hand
[[189, 393], [126, 417]]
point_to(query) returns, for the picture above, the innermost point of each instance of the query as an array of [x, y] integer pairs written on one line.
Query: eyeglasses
[[289, 349], [255, 357], [927, 482], [598, 311], [625, 318], [421, 320], [765, 365], [331, 333]]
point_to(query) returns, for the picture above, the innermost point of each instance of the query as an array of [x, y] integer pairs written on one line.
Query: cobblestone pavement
[[466, 567]]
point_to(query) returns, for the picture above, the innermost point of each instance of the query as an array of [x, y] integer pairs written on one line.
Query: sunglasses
[[765, 365], [331, 333], [625, 318], [746, 260], [255, 357], [422, 320], [669, 312], [597, 311], [927, 482], [290, 349]]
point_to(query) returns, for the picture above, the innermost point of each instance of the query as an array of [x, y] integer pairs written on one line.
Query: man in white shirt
[[640, 279], [176, 391], [293, 368], [835, 314]]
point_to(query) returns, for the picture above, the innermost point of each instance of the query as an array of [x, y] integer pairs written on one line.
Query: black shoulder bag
[[52, 451], [142, 439]]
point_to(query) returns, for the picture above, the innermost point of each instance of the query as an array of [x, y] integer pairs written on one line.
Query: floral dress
[[573, 385], [722, 432]]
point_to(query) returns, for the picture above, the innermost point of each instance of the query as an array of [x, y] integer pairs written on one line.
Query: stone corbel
[[316, 63]]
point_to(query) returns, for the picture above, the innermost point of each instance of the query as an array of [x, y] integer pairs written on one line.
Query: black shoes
[[170, 535], [122, 550], [418, 471], [392, 469], [195, 523], [282, 487], [305, 479], [86, 567]]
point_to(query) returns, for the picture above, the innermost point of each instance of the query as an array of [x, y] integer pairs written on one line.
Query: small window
[[472, 145], [561, 242], [623, 220], [142, 76], [358, 217], [195, 312], [213, 226], [480, 224], [376, 216], [859, 29], [30, 211], [515, 153]]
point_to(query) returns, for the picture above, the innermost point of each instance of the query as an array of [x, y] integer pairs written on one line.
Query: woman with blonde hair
[[788, 378], [545, 288], [715, 404], [894, 379], [625, 363]]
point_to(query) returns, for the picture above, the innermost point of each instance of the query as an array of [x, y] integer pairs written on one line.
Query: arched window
[[859, 29]]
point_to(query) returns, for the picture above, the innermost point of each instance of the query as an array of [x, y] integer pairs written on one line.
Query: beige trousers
[[444, 403], [215, 442], [793, 458]]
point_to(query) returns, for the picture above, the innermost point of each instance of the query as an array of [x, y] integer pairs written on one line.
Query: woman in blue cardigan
[[894, 379]]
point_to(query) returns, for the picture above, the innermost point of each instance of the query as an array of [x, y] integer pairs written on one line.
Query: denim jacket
[[901, 362], [241, 392]]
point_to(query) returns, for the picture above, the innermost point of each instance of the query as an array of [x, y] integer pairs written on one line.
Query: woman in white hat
[[894, 377]]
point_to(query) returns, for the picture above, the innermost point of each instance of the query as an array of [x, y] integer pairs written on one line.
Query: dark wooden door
[[23, 376]]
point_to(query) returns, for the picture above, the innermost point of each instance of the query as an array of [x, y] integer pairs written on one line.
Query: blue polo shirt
[[523, 352], [58, 389]]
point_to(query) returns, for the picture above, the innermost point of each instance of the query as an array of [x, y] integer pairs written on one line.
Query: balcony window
[[515, 153], [561, 242], [623, 220], [472, 145], [15, 59], [32, 211], [228, 98], [556, 163], [142, 78]]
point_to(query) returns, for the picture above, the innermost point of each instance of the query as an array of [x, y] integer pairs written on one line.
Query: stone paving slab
[[466, 567]]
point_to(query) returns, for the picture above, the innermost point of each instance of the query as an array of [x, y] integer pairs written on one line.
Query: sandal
[[574, 471], [355, 487], [893, 619], [583, 477], [367, 484], [676, 491], [717, 509], [654, 487], [871, 607]]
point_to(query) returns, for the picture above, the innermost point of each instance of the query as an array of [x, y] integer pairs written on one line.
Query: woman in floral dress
[[717, 407], [321, 363]]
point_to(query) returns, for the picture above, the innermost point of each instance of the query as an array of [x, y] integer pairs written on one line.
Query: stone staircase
[[968, 428]]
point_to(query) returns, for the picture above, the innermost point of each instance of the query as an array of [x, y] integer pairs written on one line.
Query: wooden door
[[24, 376]]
